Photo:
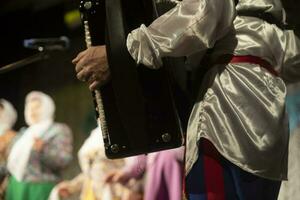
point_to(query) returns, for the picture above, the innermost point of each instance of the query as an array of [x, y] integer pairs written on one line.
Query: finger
[[92, 78], [84, 75], [82, 64], [78, 67], [78, 57], [96, 84], [106, 76], [97, 80]]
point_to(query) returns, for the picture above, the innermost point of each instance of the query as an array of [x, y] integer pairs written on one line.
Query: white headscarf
[[47, 107], [8, 116], [19, 156]]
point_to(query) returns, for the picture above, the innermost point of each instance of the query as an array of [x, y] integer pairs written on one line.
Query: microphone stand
[[26, 61]]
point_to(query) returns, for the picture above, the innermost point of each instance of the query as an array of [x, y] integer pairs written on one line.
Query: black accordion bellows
[[145, 110]]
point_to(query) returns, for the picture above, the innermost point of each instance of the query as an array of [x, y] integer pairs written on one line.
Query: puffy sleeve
[[191, 26], [57, 152]]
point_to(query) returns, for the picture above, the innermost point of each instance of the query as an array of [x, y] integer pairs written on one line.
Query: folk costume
[[94, 167], [237, 136], [34, 172], [8, 117]]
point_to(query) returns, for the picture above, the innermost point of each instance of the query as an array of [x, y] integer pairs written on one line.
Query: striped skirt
[[214, 178]]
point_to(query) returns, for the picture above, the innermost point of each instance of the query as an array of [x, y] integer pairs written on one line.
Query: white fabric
[[47, 106], [54, 195], [190, 27], [243, 109], [92, 145], [20, 153], [95, 165], [8, 116]]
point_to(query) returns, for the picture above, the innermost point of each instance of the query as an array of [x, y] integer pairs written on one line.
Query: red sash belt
[[247, 59]]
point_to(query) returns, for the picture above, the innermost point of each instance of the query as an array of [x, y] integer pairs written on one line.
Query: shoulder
[[59, 130], [20, 132], [8, 137], [60, 126]]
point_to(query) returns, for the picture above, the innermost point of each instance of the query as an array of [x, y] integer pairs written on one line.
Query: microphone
[[41, 44]]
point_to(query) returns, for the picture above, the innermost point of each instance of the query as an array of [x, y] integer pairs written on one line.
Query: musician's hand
[[92, 66]]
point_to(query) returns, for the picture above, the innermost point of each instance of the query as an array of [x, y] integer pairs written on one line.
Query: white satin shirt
[[241, 106]]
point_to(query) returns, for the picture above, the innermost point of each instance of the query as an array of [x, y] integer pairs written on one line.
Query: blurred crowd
[[34, 158], [33, 161]]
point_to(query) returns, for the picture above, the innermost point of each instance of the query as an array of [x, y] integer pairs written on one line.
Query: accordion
[[140, 110]]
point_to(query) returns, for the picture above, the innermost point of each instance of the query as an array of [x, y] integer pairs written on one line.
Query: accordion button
[[114, 148], [166, 137]]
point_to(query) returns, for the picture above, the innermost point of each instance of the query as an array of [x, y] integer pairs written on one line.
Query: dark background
[[54, 75]]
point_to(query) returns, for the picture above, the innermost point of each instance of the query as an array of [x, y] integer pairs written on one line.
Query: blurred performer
[[39, 155], [289, 189], [8, 117], [94, 166], [164, 174]]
